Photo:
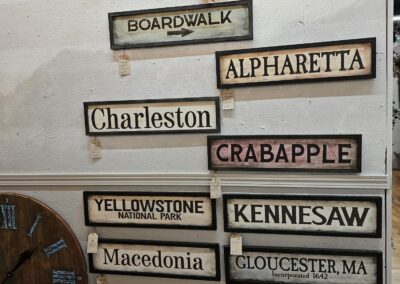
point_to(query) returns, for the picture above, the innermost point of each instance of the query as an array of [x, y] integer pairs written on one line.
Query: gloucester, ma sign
[[311, 153], [303, 266], [327, 61], [213, 22]]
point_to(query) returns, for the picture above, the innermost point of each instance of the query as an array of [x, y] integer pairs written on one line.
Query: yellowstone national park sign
[[295, 153], [303, 266], [327, 61], [344, 216], [159, 259], [173, 210], [213, 22], [165, 116]]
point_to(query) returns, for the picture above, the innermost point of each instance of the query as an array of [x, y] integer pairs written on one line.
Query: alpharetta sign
[[327, 61]]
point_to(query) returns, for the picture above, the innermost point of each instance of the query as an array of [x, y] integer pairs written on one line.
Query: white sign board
[[284, 265], [158, 259], [345, 216], [213, 22], [165, 116], [173, 210]]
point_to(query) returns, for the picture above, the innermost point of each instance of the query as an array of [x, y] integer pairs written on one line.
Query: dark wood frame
[[215, 247], [378, 255], [249, 3], [140, 132], [213, 212], [374, 199], [219, 54], [357, 137]]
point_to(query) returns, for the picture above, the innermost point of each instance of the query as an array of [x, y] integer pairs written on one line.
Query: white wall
[[54, 55]]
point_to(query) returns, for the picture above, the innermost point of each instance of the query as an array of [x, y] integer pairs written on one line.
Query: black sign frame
[[377, 254], [213, 212], [375, 199], [109, 133], [111, 16], [357, 137], [371, 40], [213, 246]]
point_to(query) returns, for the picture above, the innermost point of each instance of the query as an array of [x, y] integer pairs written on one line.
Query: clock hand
[[26, 255]]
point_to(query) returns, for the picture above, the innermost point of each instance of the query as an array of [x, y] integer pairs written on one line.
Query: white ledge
[[227, 179]]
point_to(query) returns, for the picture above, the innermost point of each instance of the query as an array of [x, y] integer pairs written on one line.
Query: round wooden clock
[[36, 245]]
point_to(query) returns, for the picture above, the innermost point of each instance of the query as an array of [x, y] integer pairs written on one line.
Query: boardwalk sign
[[213, 22]]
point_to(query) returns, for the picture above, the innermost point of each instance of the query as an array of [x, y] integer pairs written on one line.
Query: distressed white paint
[[55, 55]]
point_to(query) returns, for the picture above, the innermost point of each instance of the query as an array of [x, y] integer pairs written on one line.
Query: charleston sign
[[304, 215], [214, 22], [308, 153], [328, 61], [150, 209], [284, 265], [159, 259], [188, 115]]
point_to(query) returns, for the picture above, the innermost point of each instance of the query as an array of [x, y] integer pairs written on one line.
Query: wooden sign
[[327, 61], [158, 259], [166, 116], [185, 210], [308, 266], [344, 216], [295, 153], [214, 22]]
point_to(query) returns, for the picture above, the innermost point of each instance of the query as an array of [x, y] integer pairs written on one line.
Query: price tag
[[95, 148], [101, 279], [236, 244], [124, 65], [228, 100], [215, 188], [93, 240]]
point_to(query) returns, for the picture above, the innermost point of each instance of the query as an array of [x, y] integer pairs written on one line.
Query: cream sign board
[[327, 61], [164, 116], [308, 266], [158, 259], [344, 216], [212, 22], [295, 153], [171, 210]]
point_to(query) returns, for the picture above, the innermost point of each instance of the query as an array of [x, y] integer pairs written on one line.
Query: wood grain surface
[[51, 228]]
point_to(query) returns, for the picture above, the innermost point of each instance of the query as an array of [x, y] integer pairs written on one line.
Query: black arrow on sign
[[183, 32]]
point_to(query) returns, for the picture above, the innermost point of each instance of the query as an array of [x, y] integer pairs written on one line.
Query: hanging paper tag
[[101, 279], [215, 188], [93, 240], [236, 244], [95, 148], [228, 100], [124, 65]]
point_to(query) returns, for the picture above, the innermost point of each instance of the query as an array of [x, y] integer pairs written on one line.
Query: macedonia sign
[[158, 259], [328, 61], [205, 23]]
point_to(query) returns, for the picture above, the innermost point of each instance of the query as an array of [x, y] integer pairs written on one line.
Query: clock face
[[36, 245]]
